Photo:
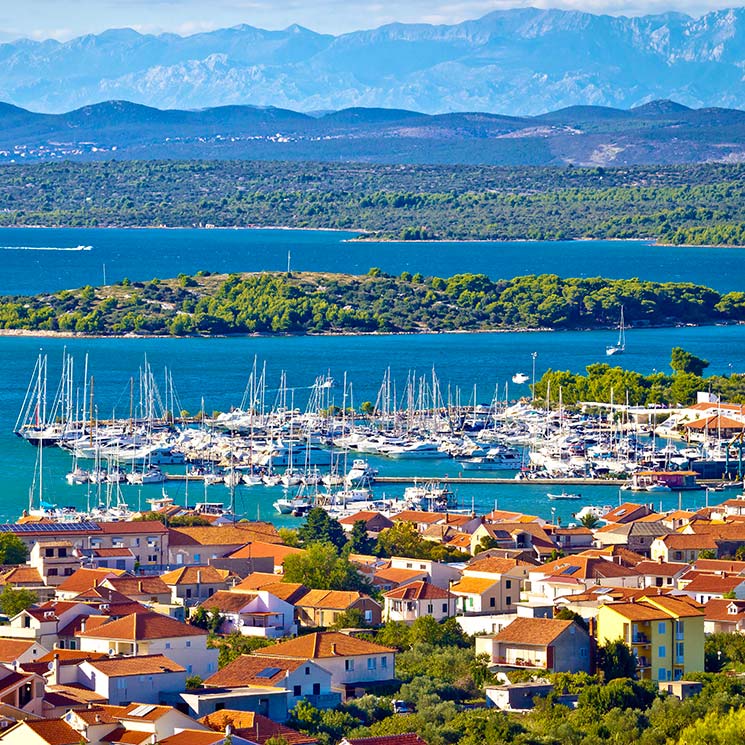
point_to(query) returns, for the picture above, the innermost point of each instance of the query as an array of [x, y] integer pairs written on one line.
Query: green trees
[[403, 539], [321, 568], [13, 601], [319, 527], [12, 549], [685, 362], [359, 541], [616, 660]]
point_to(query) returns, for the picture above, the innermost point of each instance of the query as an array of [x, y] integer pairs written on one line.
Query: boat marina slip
[[140, 421]]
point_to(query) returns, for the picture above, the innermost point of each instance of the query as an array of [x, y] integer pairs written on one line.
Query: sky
[[65, 19]]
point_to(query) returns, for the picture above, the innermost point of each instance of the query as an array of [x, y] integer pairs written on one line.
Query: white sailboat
[[620, 346]]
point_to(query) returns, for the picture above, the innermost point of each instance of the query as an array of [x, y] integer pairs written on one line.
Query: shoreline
[[44, 334], [365, 235]]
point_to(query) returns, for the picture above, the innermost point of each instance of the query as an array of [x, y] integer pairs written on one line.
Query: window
[[508, 584], [662, 674], [372, 663], [168, 645], [492, 602], [316, 689], [409, 565], [62, 553], [297, 691], [48, 552], [509, 599], [348, 665], [53, 572], [121, 683], [307, 671], [197, 558], [384, 663], [661, 627], [444, 607], [188, 592], [188, 643], [470, 602], [368, 616], [429, 609], [189, 669], [661, 652]]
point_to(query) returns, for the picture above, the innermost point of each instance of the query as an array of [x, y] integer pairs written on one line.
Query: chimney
[[98, 719], [199, 576], [82, 623], [333, 648], [54, 677], [139, 586]]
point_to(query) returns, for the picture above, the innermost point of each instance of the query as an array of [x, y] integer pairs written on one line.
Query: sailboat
[[620, 346]]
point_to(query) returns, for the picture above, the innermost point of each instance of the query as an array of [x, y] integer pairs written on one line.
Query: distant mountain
[[520, 62], [657, 132]]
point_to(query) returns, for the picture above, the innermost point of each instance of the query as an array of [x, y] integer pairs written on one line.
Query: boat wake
[[46, 248]]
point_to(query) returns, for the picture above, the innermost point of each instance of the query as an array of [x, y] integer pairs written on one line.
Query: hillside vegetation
[[702, 204], [274, 303]]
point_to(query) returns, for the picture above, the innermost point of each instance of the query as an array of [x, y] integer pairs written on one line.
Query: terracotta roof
[[53, 731], [106, 552], [83, 579], [133, 586], [254, 727], [472, 585], [334, 599], [678, 606], [12, 649], [460, 540], [72, 656], [495, 565], [237, 534], [77, 694], [688, 541], [287, 591], [661, 568], [364, 516], [255, 580], [718, 609], [582, 567], [399, 576], [537, 632], [228, 602], [141, 627], [418, 590], [716, 421], [638, 611], [151, 664], [626, 512], [246, 670], [126, 736], [21, 575], [416, 516], [260, 549], [323, 644], [712, 583], [719, 565], [96, 714], [193, 575]]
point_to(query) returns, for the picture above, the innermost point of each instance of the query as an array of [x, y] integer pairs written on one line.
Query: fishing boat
[[620, 346], [564, 496], [520, 378]]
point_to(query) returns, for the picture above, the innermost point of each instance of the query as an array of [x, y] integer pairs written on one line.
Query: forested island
[[317, 303], [689, 204]]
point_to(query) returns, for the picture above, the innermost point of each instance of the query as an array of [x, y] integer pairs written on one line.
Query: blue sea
[[217, 369]]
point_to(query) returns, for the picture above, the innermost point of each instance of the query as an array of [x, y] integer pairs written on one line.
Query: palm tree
[[590, 521]]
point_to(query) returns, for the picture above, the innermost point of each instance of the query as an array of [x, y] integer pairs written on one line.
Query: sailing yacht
[[620, 346]]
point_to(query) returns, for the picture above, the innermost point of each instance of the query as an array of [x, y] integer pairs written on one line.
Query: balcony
[[640, 639]]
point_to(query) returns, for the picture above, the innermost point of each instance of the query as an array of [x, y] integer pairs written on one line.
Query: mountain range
[[519, 62], [663, 132]]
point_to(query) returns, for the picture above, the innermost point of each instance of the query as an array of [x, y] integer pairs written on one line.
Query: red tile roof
[[122, 667], [141, 627], [52, 731], [254, 727], [418, 590], [410, 738], [537, 632], [246, 670], [322, 644]]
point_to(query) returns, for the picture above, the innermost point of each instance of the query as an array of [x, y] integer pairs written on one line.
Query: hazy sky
[[63, 19]]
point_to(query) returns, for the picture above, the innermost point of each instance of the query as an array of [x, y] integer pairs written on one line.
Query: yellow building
[[666, 634]]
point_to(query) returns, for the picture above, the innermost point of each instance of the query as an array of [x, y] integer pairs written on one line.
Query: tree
[[199, 618], [565, 614], [13, 601], [353, 618], [321, 568], [590, 521], [616, 660], [233, 645], [194, 681], [359, 541], [320, 527], [682, 361], [12, 549], [400, 540]]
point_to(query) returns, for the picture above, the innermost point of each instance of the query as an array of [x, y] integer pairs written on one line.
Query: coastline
[[366, 235]]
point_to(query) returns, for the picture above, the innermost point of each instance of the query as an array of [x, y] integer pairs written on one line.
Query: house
[[417, 599], [375, 523], [539, 643], [145, 678], [257, 613], [21, 690], [114, 558], [516, 696], [439, 574], [682, 547], [665, 634], [41, 732], [276, 552], [571, 540], [147, 539], [20, 651], [83, 579], [146, 589], [705, 587], [153, 634], [199, 737], [507, 577], [354, 663], [476, 595], [266, 700], [628, 512], [304, 679], [198, 545], [134, 724], [635, 536], [47, 623], [322, 608], [193, 584], [724, 616], [572, 574], [520, 536], [54, 560], [661, 573], [386, 578], [258, 728]]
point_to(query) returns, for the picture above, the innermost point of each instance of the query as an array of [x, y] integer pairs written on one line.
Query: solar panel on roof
[[81, 527], [269, 672], [142, 711], [570, 570]]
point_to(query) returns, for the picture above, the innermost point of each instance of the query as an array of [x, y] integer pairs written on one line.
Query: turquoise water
[[217, 369], [144, 254]]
